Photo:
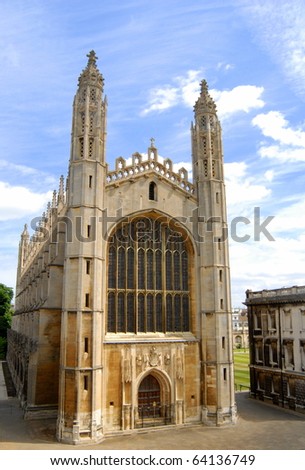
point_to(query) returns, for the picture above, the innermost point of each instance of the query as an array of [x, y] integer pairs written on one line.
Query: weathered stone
[[123, 294]]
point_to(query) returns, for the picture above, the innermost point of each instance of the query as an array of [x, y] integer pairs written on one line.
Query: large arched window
[[148, 278]]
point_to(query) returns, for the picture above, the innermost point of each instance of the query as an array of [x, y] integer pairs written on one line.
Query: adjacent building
[[123, 306], [277, 345], [240, 328]]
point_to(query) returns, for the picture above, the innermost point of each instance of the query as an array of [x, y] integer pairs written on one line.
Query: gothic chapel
[[123, 309]]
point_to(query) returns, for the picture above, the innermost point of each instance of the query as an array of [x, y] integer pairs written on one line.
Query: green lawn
[[241, 369]]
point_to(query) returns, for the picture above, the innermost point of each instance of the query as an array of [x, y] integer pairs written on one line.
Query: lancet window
[[148, 279]]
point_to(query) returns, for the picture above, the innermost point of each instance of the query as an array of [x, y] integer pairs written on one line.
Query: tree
[[6, 296]]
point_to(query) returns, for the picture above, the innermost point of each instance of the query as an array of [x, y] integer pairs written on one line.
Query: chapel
[[123, 308]]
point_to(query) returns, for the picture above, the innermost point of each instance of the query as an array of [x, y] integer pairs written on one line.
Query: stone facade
[[240, 328], [277, 345], [123, 292]]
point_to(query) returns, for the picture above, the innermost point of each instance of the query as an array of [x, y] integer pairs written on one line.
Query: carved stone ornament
[[179, 368], [139, 360], [126, 366], [127, 370], [153, 357], [167, 359]]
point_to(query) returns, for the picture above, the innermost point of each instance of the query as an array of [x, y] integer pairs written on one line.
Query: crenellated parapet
[[44, 225], [150, 163], [38, 252]]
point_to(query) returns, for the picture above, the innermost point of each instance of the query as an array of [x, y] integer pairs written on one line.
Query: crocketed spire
[[205, 103], [91, 75]]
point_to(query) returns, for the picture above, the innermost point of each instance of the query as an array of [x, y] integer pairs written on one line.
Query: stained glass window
[[150, 271], [130, 268], [150, 313], [158, 310], [121, 268], [111, 312], [169, 270], [112, 268], [158, 272], [130, 312], [177, 270], [169, 313], [141, 269], [177, 313], [148, 279], [141, 313], [121, 312]]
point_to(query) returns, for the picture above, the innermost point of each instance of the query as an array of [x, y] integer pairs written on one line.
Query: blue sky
[[153, 55]]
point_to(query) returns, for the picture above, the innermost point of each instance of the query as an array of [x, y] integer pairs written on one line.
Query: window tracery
[[148, 279]]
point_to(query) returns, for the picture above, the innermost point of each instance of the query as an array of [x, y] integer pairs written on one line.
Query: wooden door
[[149, 397]]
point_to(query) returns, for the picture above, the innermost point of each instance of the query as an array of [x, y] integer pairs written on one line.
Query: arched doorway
[[149, 397]]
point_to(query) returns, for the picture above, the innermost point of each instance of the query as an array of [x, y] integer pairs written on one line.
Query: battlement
[[30, 245], [152, 163]]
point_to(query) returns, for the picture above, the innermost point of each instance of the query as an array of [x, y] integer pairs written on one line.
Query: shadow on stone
[[11, 392]]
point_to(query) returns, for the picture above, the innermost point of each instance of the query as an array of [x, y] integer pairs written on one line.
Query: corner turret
[[206, 138], [89, 115]]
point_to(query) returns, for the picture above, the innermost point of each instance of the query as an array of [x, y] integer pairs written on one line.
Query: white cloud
[[280, 28], [161, 99], [189, 87], [269, 175], [290, 219], [266, 265], [187, 166], [186, 91], [17, 201], [23, 169], [282, 154], [234, 171], [224, 66], [242, 188], [274, 125], [242, 98], [290, 143]]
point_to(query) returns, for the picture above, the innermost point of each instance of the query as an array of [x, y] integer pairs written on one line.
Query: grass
[[241, 369]]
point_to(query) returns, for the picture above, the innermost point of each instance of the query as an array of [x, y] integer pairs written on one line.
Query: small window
[[217, 198], [88, 265], [221, 304], [87, 300], [91, 141], [223, 342], [86, 345], [88, 231], [220, 275], [86, 382], [90, 181], [224, 373], [152, 191], [81, 147]]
